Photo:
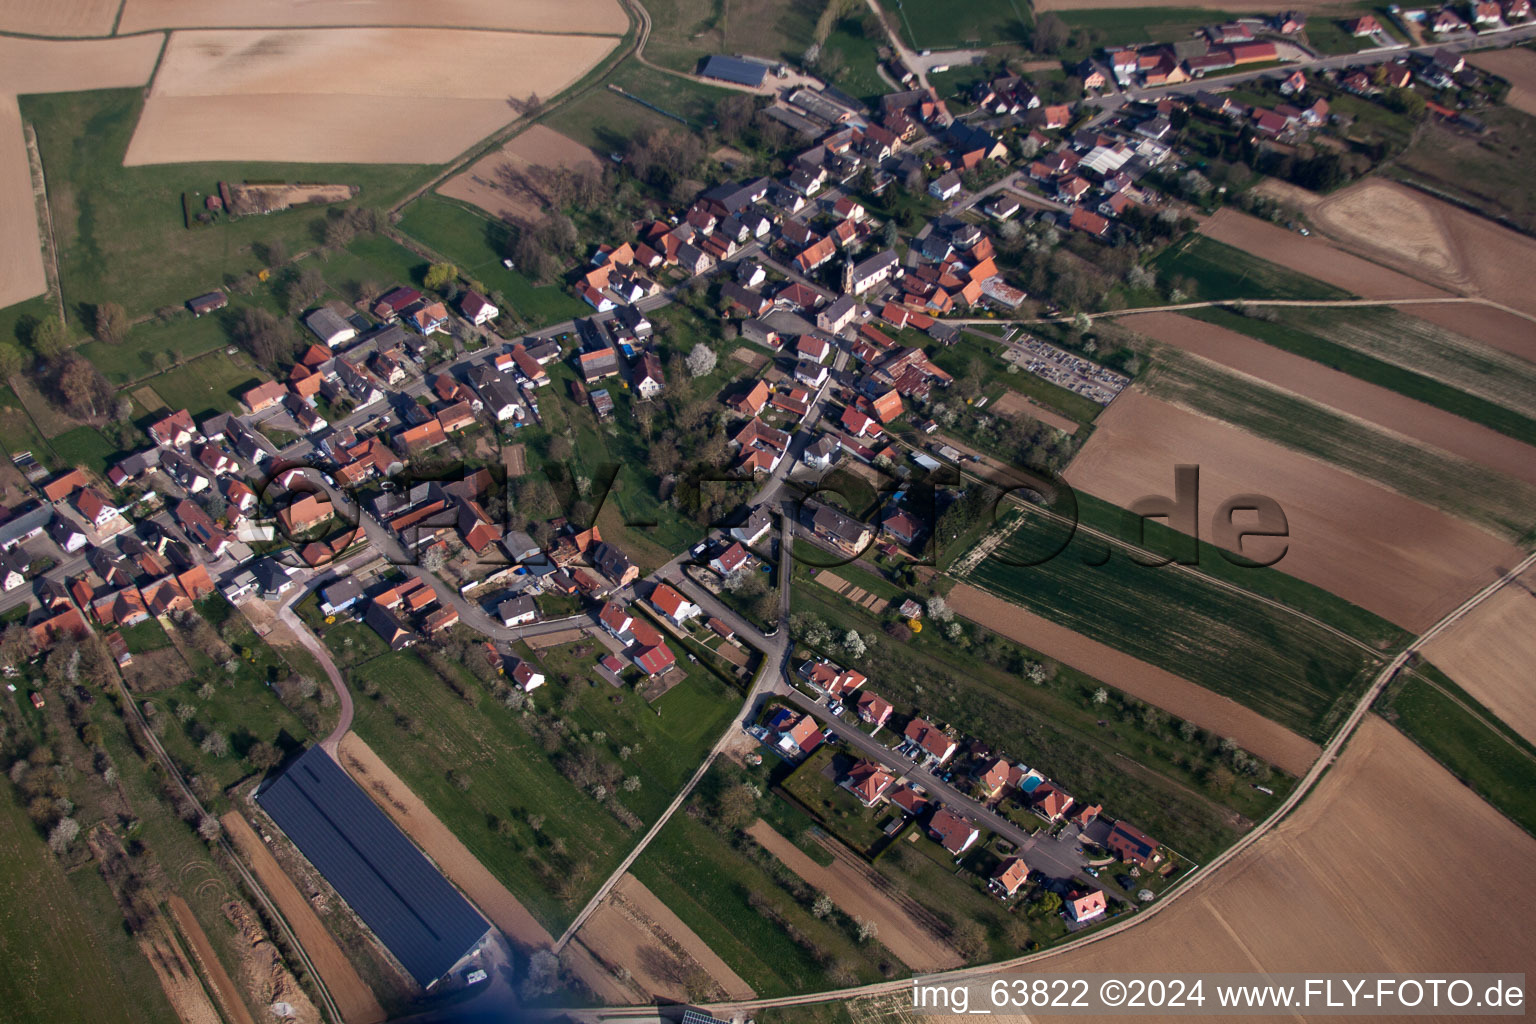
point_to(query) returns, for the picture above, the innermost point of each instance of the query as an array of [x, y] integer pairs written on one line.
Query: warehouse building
[[734, 69], [422, 919]]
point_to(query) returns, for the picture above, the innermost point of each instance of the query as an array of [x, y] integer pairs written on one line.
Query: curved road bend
[[1303, 787]]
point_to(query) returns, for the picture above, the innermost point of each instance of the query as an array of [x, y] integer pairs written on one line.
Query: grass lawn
[[61, 936], [1280, 665], [737, 905], [859, 55], [937, 25], [121, 231], [1119, 26], [605, 121], [84, 446], [475, 244], [685, 31], [17, 321], [836, 808], [146, 636], [1469, 740], [17, 431], [1216, 270], [208, 385], [1388, 348], [960, 358], [1328, 36]]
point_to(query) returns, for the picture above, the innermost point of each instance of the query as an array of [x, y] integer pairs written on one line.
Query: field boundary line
[[1179, 307], [44, 215]]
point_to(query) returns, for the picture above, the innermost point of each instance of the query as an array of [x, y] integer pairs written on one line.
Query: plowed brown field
[[1016, 405], [1342, 392], [636, 931], [1517, 66], [1314, 256], [355, 999], [1174, 694], [51, 18], [530, 15], [1373, 547], [1490, 653], [504, 183], [358, 95]]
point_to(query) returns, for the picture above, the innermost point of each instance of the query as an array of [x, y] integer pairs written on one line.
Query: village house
[[873, 709], [1009, 876], [1132, 845], [1083, 906], [867, 781], [952, 831], [932, 742]]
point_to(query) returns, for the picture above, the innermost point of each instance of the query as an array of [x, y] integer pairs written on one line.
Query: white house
[[526, 675], [755, 528], [330, 328], [477, 309], [677, 608], [517, 611]]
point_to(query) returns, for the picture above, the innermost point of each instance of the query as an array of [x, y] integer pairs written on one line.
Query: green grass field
[[84, 446], [1266, 582], [1408, 355], [121, 231], [1327, 35], [1456, 485], [936, 25], [859, 56], [512, 777], [1216, 270], [61, 939], [17, 431], [685, 31], [605, 121], [1273, 661], [475, 244], [1122, 26], [208, 385], [1469, 740]]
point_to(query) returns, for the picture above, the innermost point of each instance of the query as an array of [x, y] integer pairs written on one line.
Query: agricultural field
[[43, 18], [78, 950], [1489, 654], [1213, 270], [1517, 66], [121, 231], [733, 895], [38, 66], [683, 32], [1314, 257], [1316, 889], [1487, 172], [598, 16], [1375, 548], [935, 25], [504, 183], [1413, 468], [1370, 369], [314, 95], [1348, 395], [1427, 350], [1113, 24], [1486, 755]]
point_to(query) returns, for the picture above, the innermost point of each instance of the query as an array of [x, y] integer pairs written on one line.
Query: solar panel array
[[734, 69], [399, 894]]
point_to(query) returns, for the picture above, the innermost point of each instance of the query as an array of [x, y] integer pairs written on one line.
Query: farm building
[[330, 328], [208, 303], [734, 69], [400, 896]]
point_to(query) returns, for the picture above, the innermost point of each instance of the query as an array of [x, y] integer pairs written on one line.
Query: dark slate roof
[[734, 69], [397, 892]]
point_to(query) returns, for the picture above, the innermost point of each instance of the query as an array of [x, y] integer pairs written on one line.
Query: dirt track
[[223, 986], [1174, 694], [503, 184], [1315, 257], [355, 1000], [1385, 552], [361, 95], [1340, 391], [1490, 653], [455, 861], [635, 930], [857, 893]]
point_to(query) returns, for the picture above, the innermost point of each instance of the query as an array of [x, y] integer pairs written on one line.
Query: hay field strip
[[1490, 652], [1427, 349], [1412, 468], [1268, 659], [605, 17], [1374, 370]]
